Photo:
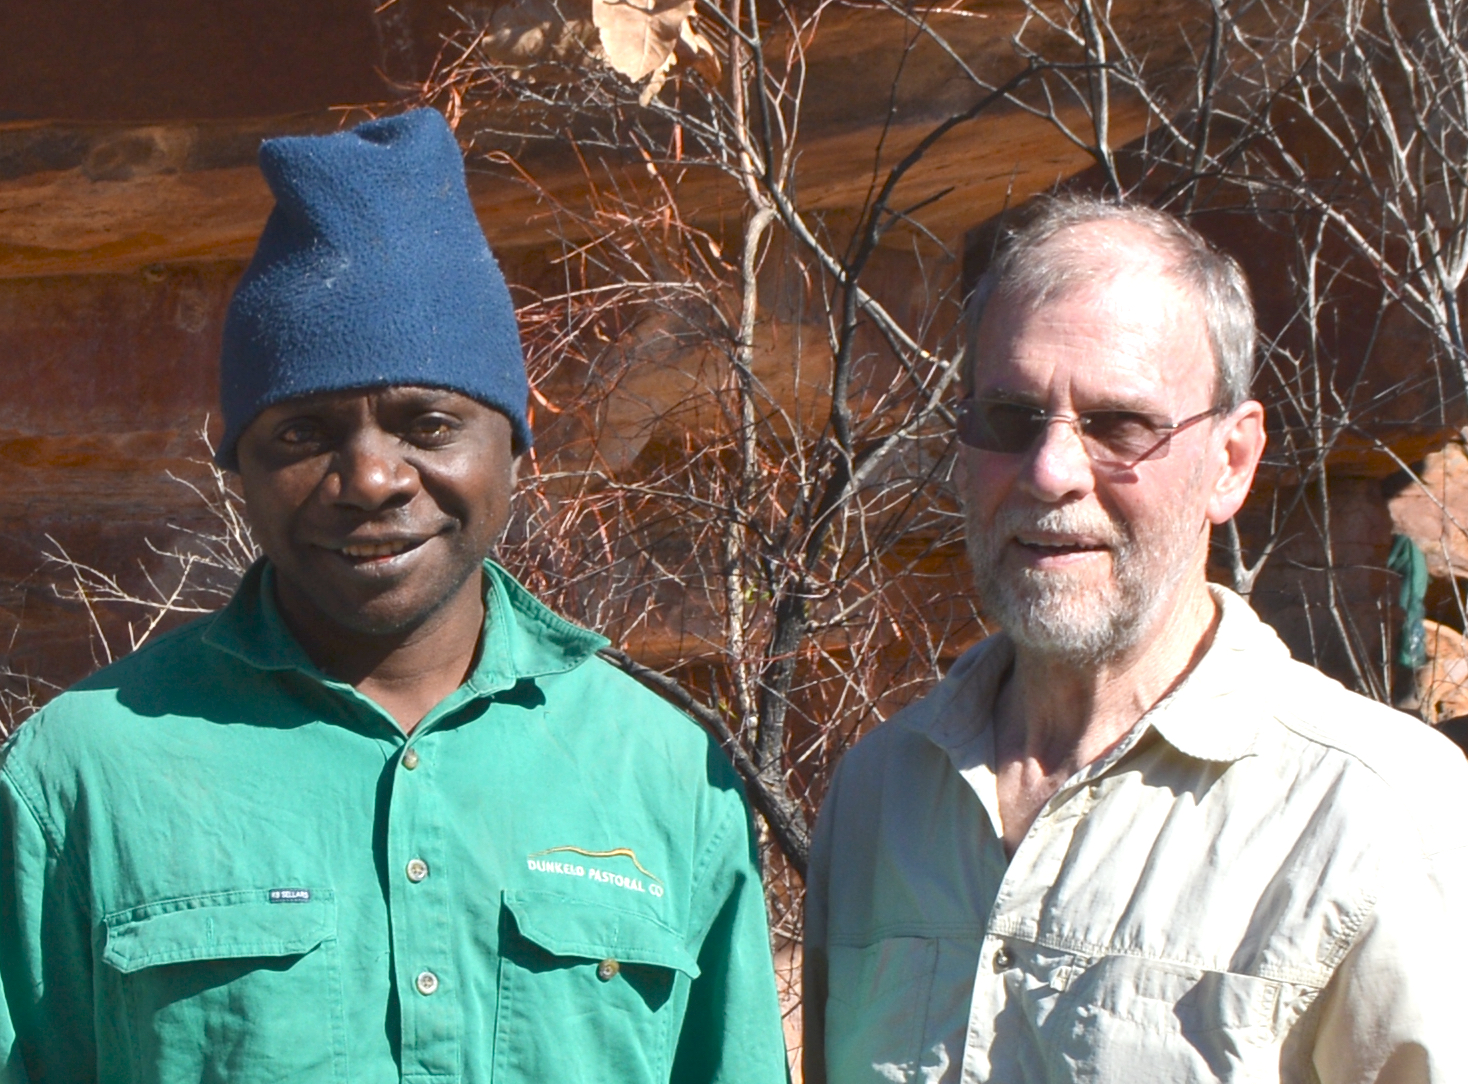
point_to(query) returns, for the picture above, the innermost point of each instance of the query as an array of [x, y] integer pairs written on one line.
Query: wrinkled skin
[[1076, 559]]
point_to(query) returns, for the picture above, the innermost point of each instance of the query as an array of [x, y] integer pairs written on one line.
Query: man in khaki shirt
[[1130, 839]]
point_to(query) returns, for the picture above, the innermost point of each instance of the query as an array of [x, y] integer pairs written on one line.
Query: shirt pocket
[[230, 986], [1173, 1022], [588, 993], [876, 1008]]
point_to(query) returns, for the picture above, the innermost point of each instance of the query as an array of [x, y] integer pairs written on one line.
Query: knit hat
[[372, 271]]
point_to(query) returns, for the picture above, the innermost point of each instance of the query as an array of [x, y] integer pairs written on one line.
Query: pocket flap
[[567, 927], [222, 926]]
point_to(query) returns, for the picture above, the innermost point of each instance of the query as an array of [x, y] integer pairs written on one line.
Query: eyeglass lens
[[1014, 428]]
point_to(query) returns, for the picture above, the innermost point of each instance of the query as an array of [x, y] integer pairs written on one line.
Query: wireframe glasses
[[1112, 437]]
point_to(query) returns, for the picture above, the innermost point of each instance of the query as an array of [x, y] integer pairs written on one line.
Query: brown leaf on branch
[[697, 52], [694, 50], [638, 37], [642, 40], [530, 31]]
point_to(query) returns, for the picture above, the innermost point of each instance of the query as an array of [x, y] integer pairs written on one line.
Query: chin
[[389, 614], [384, 626], [1077, 626]]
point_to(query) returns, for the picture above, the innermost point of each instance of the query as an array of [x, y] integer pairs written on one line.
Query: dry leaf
[[697, 51], [639, 39], [638, 36], [657, 79], [528, 31]]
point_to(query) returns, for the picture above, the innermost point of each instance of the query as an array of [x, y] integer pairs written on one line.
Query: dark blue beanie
[[372, 271]]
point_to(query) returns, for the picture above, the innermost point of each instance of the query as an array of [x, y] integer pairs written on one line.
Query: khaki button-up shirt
[[1266, 880]]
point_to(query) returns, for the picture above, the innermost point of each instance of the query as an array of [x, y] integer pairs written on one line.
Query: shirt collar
[[522, 637], [1215, 713], [961, 708], [1218, 711]]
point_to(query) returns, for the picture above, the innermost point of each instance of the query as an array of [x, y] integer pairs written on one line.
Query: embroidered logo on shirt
[[538, 863], [290, 895]]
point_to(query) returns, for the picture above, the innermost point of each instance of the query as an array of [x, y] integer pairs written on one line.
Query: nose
[[1058, 467], [371, 472]]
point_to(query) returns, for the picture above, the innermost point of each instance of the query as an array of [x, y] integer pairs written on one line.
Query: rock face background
[[129, 204], [105, 388]]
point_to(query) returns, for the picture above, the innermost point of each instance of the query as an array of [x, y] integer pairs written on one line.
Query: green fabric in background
[[1408, 561]]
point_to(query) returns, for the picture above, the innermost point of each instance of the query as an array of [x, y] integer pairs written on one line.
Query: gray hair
[[1033, 267]]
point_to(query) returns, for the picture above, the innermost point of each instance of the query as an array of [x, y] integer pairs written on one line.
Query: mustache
[[1066, 519]]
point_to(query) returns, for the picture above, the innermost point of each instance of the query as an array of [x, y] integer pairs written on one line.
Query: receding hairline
[[1093, 249], [1078, 241], [1176, 337]]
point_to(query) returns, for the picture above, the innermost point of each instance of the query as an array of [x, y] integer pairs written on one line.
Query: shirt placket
[[1014, 922], [420, 901]]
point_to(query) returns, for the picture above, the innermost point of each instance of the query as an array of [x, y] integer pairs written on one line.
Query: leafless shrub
[[750, 432], [21, 696], [1334, 135], [195, 572]]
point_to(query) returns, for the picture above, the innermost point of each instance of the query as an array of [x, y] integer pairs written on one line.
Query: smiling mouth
[[376, 551], [1058, 549]]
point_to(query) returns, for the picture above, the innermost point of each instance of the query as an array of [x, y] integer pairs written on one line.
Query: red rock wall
[[106, 382], [153, 60]]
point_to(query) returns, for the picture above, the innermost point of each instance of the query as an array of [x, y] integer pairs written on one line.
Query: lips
[[1060, 546], [377, 551]]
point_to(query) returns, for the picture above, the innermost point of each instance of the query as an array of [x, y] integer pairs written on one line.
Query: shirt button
[[607, 970], [427, 982], [410, 759], [1003, 959], [417, 870]]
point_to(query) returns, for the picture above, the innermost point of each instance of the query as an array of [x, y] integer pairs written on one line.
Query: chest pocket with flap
[[229, 986], [588, 993]]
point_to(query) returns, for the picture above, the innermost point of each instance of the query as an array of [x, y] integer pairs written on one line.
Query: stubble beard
[[1070, 617]]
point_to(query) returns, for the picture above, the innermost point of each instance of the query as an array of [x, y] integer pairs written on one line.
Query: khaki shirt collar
[[1213, 714]]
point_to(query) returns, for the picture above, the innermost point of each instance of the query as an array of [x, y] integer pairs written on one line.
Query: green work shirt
[[217, 864]]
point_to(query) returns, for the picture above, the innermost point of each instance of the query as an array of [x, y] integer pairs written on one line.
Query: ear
[[1238, 456]]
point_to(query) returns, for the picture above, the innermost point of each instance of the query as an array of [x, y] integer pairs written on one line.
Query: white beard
[[1061, 615]]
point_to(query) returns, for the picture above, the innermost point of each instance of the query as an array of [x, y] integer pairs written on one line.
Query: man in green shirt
[[385, 817]]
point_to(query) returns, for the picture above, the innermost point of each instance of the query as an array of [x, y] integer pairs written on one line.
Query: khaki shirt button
[[427, 982], [417, 870], [410, 759], [1002, 959], [607, 970]]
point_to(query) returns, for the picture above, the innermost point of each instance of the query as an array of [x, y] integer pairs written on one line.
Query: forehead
[[374, 399], [1134, 337]]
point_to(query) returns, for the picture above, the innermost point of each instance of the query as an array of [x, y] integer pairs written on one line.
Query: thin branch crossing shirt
[[216, 864], [1266, 880]]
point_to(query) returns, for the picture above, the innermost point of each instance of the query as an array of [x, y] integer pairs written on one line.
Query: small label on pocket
[[290, 895]]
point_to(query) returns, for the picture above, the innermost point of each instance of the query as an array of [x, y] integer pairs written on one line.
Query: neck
[[407, 672], [1061, 715]]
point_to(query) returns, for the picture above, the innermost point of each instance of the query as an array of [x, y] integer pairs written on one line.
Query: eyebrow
[[1004, 395]]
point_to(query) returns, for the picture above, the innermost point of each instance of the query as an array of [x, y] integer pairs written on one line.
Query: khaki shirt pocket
[[588, 993], [1133, 1018], [229, 986], [876, 1008]]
